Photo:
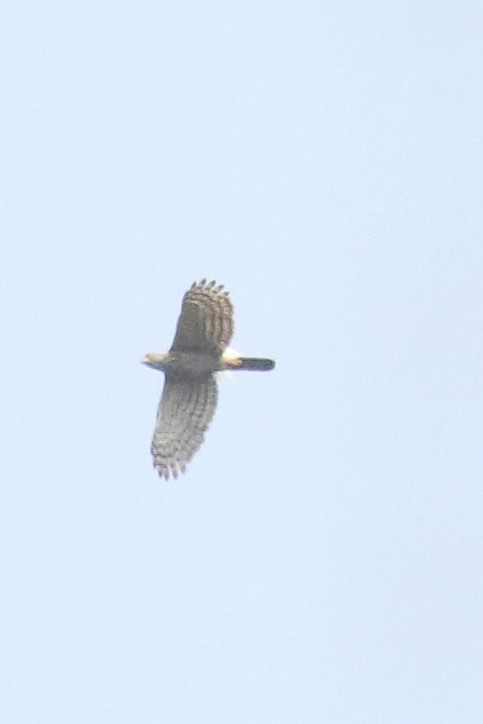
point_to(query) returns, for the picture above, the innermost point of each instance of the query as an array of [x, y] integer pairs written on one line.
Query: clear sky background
[[322, 560]]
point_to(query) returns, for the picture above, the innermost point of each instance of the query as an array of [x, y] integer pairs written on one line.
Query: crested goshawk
[[199, 350]]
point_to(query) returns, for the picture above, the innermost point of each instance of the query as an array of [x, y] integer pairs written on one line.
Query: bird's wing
[[185, 411], [206, 320]]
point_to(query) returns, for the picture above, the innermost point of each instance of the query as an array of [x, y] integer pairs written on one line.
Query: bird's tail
[[252, 363]]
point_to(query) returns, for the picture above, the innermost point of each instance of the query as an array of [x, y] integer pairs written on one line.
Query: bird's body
[[189, 398], [184, 364]]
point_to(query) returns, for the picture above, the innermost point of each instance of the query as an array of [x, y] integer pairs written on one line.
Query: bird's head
[[156, 361]]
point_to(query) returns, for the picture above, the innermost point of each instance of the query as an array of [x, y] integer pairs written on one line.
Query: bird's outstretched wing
[[206, 320], [185, 411]]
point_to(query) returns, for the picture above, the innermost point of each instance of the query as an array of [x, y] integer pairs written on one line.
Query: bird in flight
[[199, 350]]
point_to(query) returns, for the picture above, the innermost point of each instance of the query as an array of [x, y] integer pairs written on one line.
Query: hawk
[[199, 350]]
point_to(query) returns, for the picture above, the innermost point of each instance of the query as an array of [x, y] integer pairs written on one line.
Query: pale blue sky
[[322, 560]]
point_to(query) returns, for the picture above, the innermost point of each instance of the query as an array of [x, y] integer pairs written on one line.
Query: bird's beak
[[145, 360]]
